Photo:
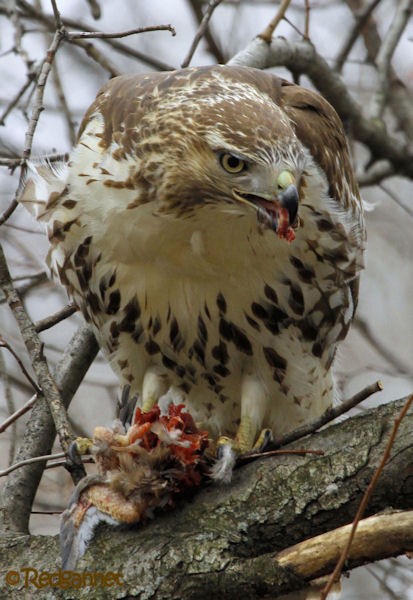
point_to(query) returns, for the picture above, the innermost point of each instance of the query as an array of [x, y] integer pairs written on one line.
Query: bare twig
[[97, 56], [20, 487], [13, 162], [212, 5], [196, 7], [6, 345], [39, 363], [30, 11], [14, 101], [57, 317], [329, 415], [73, 35], [385, 54], [361, 19], [268, 32], [399, 97], [31, 461], [40, 88], [9, 210], [63, 103], [16, 415], [299, 452], [94, 8], [307, 19], [366, 497], [57, 15]]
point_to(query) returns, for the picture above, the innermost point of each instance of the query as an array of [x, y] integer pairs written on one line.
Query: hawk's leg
[[250, 435], [154, 385]]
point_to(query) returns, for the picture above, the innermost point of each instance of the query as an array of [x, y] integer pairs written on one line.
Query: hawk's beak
[[278, 210], [289, 199]]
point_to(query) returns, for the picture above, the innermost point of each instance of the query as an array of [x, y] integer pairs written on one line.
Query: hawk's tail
[[41, 185]]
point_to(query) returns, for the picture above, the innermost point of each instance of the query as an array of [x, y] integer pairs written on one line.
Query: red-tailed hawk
[[209, 227]]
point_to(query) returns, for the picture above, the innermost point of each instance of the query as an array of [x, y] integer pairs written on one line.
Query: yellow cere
[[285, 178]]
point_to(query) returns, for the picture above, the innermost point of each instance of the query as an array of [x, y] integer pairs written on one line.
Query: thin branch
[[268, 32], [57, 317], [400, 100], [365, 500], [96, 55], [385, 54], [16, 415], [30, 11], [6, 345], [212, 5], [17, 495], [73, 35], [57, 15], [300, 452], [63, 103], [307, 19], [9, 210], [31, 461], [40, 89], [361, 20], [14, 162], [39, 363], [329, 415], [94, 8], [14, 101], [213, 46]]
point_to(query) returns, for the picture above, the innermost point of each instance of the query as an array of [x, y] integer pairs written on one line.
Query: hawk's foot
[[79, 447], [262, 441], [229, 449]]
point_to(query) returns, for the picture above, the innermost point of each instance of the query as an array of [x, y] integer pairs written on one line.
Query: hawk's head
[[215, 138]]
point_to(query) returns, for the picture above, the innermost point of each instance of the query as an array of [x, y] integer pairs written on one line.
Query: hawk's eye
[[232, 164]]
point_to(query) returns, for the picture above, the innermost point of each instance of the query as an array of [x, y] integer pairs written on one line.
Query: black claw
[[73, 454]]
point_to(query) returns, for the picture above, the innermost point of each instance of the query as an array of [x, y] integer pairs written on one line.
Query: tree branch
[[226, 541], [18, 493], [212, 5], [377, 537], [385, 55], [38, 360]]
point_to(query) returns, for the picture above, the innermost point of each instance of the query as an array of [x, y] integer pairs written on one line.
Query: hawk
[[209, 226]]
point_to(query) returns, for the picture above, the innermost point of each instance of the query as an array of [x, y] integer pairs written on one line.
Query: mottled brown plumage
[[175, 229]]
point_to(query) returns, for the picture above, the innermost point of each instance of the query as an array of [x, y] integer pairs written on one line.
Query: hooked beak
[[280, 211], [289, 199]]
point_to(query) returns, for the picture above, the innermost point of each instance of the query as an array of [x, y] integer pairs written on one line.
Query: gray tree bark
[[223, 542]]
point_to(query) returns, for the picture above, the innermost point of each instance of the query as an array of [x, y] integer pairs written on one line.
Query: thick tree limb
[[224, 542]]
